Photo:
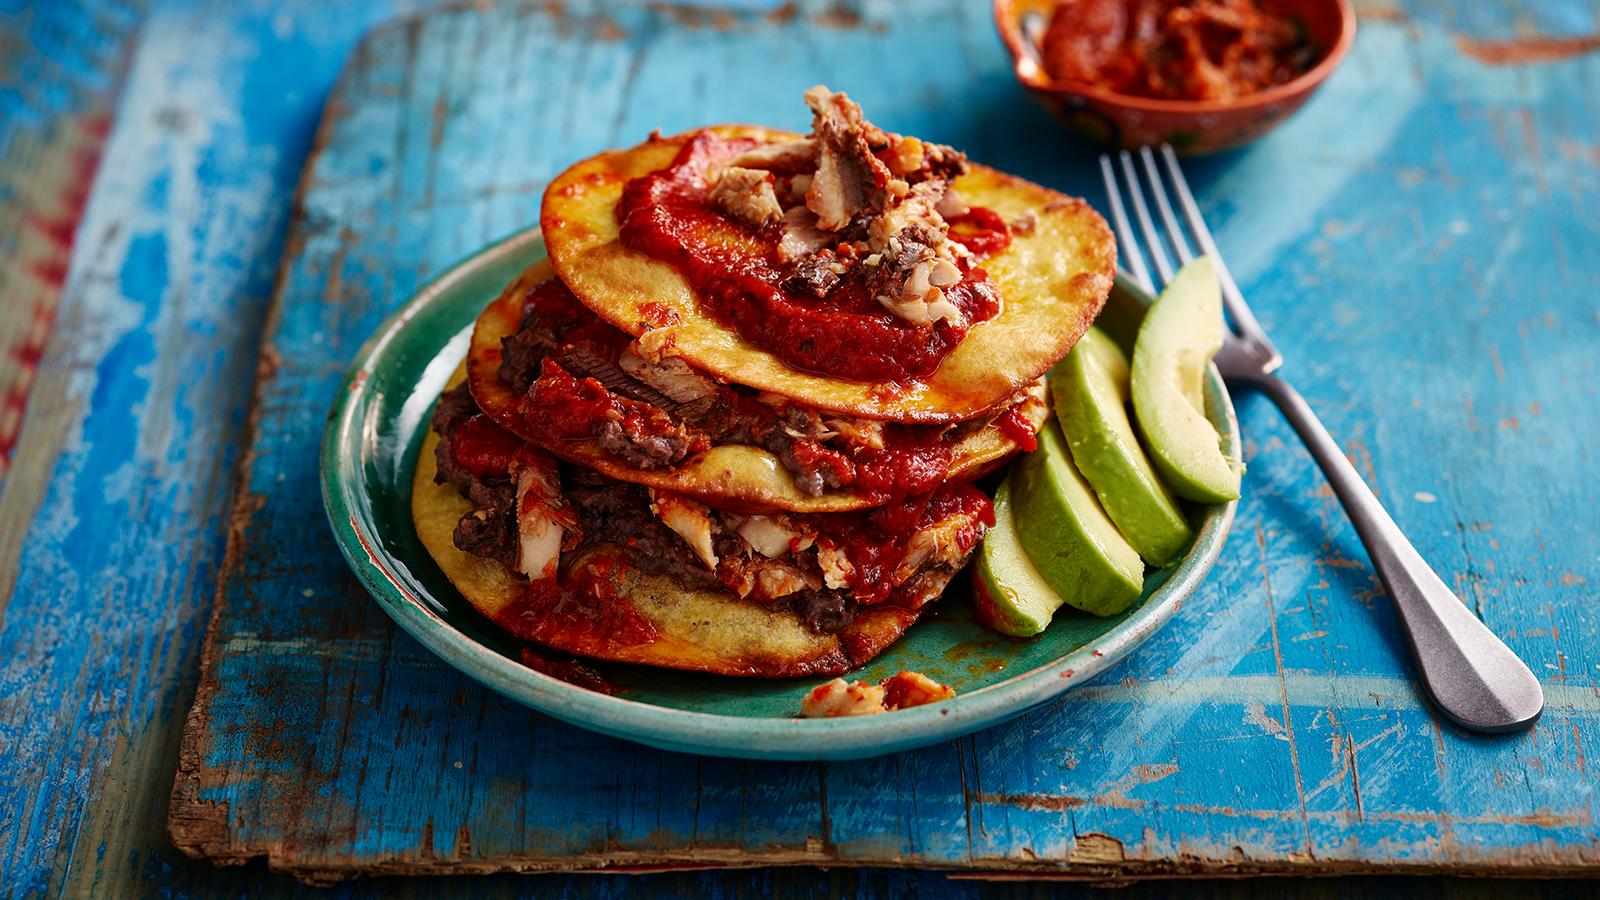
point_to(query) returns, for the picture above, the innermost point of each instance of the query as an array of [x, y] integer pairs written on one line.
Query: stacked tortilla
[[731, 425]]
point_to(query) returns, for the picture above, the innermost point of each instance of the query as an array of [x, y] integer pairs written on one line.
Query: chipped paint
[[1529, 50], [1255, 713], [388, 760]]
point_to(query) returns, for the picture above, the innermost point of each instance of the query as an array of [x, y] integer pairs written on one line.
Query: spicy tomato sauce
[[668, 215], [876, 544], [482, 447], [913, 460], [1175, 49], [560, 406], [1014, 425], [583, 613]]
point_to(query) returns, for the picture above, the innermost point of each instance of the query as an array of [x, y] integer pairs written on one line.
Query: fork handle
[[1472, 676]]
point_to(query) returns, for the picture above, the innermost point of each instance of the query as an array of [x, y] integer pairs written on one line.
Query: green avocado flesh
[[1064, 531], [1180, 335], [1013, 598], [1090, 389]]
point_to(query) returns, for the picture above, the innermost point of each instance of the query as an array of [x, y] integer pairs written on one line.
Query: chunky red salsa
[[668, 215], [1175, 49], [561, 406], [876, 544], [913, 460], [582, 613], [567, 407]]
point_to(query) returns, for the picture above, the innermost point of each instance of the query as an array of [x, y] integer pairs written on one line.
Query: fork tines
[[1132, 189]]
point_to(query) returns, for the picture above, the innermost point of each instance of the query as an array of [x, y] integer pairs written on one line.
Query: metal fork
[[1470, 674]]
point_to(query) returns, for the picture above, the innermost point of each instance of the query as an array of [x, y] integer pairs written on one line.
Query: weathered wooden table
[[1421, 240]]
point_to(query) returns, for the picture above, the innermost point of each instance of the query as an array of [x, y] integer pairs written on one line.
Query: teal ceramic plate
[[371, 445]]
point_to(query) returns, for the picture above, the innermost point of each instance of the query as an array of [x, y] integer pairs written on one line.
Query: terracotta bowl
[[1190, 126]]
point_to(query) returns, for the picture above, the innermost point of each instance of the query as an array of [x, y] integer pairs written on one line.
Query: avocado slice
[[1062, 528], [1090, 389], [1010, 594], [1180, 334]]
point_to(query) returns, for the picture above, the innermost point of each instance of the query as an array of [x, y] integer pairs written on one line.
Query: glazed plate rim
[[389, 580]]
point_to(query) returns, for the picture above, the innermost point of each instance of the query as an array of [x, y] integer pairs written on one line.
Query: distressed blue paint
[[1252, 662], [160, 327], [1344, 228], [69, 42]]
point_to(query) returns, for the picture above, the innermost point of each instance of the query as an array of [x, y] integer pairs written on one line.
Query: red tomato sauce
[[582, 613], [562, 405], [982, 231], [668, 215], [555, 304], [1014, 425], [876, 544], [913, 459], [569, 669], [482, 447], [1175, 49]]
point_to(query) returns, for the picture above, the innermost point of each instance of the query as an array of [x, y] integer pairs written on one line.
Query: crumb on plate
[[859, 698]]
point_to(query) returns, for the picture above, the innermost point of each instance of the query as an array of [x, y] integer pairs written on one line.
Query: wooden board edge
[[1001, 869], [201, 828]]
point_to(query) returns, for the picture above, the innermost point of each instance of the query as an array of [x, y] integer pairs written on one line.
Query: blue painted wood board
[[1271, 728], [1419, 239]]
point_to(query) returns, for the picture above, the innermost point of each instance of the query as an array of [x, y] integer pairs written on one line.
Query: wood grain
[[112, 521], [53, 122], [1271, 729], [1419, 238]]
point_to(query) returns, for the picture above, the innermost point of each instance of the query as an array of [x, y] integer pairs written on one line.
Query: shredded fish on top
[[885, 195]]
